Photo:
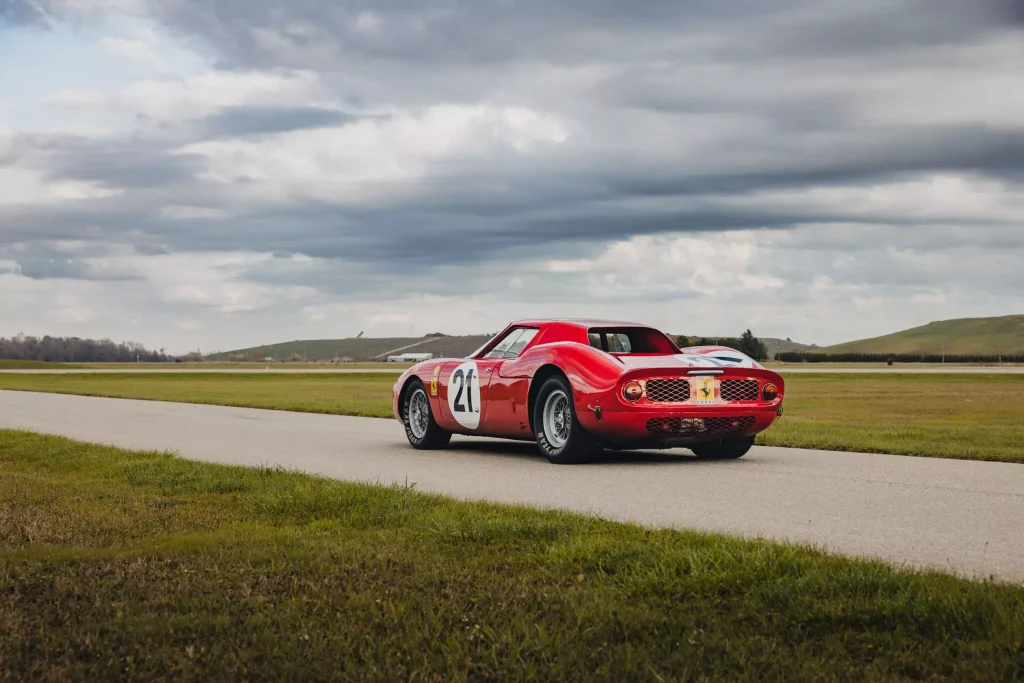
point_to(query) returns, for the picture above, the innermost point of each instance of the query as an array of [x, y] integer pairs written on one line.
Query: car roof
[[584, 323], [562, 330]]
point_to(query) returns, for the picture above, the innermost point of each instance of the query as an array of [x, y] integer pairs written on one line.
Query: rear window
[[630, 340]]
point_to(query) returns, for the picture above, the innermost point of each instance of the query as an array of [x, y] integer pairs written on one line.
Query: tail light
[[769, 392], [632, 392]]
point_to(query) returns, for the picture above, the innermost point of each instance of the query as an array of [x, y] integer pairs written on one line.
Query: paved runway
[[961, 516], [905, 369]]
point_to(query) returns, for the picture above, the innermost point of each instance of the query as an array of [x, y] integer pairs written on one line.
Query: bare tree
[[77, 350]]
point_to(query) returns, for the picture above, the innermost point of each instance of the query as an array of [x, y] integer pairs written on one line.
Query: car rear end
[[668, 407]]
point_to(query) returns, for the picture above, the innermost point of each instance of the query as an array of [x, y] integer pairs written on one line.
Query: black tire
[[432, 435], [723, 449], [570, 443]]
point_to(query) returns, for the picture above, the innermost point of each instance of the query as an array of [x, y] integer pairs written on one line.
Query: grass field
[[6, 364], [343, 394], [978, 417], [119, 565]]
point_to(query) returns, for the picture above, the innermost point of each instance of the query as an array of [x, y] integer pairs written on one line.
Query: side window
[[520, 343], [503, 346], [612, 342], [619, 343]]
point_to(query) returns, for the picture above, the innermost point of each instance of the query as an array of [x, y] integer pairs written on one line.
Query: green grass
[[367, 394], [117, 564], [978, 417], [987, 336], [7, 364]]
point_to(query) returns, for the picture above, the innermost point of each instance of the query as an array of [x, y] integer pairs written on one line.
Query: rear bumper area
[[686, 425]]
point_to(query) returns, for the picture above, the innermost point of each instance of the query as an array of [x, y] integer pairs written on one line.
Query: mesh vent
[[739, 390], [668, 390], [700, 426]]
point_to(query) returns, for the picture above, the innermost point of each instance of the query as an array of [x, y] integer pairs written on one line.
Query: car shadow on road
[[525, 450]]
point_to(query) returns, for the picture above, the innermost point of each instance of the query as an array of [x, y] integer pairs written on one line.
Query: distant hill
[[442, 346], [775, 346], [362, 348], [966, 336]]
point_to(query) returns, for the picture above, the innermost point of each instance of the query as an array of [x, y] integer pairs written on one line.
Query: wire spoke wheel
[[557, 419], [560, 434], [419, 413]]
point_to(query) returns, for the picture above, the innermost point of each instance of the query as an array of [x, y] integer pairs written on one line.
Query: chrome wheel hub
[[557, 419]]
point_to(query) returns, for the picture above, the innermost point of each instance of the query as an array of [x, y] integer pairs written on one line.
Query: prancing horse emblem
[[704, 390]]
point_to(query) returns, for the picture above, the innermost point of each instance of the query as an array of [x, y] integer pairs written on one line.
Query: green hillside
[[989, 336], [362, 348]]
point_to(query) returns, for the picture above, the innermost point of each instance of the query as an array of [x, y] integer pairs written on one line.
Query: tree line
[[76, 350], [805, 357]]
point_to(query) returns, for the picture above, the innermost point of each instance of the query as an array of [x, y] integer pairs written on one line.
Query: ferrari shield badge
[[705, 390], [433, 382]]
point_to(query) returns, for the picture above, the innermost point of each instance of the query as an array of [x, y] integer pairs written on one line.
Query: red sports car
[[577, 386]]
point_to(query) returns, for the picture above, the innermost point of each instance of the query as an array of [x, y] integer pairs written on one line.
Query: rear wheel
[[723, 449], [420, 428], [560, 436]]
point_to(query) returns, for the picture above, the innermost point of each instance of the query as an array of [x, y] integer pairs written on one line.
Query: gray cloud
[[74, 270], [518, 208], [23, 12], [234, 121], [679, 117], [133, 167], [317, 34]]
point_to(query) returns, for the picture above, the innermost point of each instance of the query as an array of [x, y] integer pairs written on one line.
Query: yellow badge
[[433, 382], [705, 390]]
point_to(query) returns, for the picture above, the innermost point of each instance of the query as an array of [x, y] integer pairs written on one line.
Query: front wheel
[[560, 436], [723, 449], [420, 428]]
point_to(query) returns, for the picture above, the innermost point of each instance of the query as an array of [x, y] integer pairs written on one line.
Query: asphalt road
[[906, 369], [961, 516]]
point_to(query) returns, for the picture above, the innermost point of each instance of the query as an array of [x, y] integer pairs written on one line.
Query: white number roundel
[[464, 395]]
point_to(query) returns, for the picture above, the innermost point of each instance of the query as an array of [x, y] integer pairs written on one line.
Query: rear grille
[[739, 390], [668, 390], [700, 426]]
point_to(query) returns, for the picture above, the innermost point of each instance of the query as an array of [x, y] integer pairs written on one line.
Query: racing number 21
[[465, 381]]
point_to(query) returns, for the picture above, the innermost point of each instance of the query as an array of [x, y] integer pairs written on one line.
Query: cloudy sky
[[221, 173]]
